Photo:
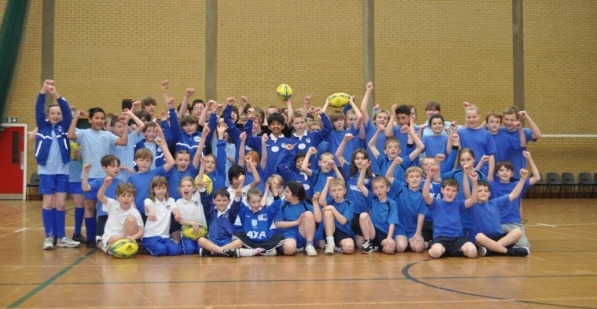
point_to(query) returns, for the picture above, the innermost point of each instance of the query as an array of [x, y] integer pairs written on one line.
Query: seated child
[[158, 208], [486, 220], [448, 237], [124, 221], [221, 214], [378, 225], [337, 213], [296, 221], [257, 219], [189, 211]]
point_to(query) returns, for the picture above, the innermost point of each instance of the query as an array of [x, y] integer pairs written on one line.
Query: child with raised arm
[[126, 153], [337, 215], [327, 168], [256, 219], [124, 220], [392, 150], [511, 215], [221, 214], [473, 136], [378, 225], [411, 207], [185, 166], [302, 139], [401, 115], [380, 119], [158, 208], [189, 212], [486, 219], [351, 172], [289, 168], [296, 221], [506, 142], [512, 122], [438, 142], [448, 239], [111, 166], [95, 143], [341, 129], [52, 152], [142, 179]]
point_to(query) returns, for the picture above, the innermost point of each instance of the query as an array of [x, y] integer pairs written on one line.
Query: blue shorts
[[50, 184], [221, 242], [75, 188], [301, 242], [91, 195]]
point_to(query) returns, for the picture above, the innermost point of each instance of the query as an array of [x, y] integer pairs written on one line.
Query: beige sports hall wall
[[448, 51]]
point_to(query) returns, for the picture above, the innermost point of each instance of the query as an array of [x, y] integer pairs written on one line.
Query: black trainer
[[233, 253], [524, 251], [90, 244], [203, 252], [80, 238]]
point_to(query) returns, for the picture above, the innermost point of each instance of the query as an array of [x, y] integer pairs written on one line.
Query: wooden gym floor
[[560, 273]]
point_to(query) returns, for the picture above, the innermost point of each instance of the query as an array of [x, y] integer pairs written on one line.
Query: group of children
[[282, 181]]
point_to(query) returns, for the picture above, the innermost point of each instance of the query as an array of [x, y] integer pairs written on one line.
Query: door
[[13, 179]]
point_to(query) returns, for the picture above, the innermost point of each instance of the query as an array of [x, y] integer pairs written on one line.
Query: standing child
[[142, 179], [379, 225], [52, 152], [486, 217], [337, 213], [505, 141], [296, 221], [158, 208], [111, 166], [478, 139], [448, 239], [95, 143], [512, 122]]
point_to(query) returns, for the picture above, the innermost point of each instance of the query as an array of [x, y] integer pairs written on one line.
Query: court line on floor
[[406, 274], [46, 283]]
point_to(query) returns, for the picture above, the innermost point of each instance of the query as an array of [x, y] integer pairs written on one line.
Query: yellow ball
[[339, 99], [284, 92], [209, 185], [74, 147], [188, 232], [124, 248]]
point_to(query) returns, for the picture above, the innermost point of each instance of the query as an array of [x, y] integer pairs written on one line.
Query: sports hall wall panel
[[448, 51]]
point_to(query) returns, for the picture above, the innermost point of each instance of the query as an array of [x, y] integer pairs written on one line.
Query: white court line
[[17, 231], [543, 224]]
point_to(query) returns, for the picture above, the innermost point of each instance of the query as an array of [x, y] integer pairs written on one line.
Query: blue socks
[[48, 217], [79, 215], [60, 223], [90, 226]]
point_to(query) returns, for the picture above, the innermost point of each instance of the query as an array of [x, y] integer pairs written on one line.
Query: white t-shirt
[[162, 210], [192, 210], [117, 216]]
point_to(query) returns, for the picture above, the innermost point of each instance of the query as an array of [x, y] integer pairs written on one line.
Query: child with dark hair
[[296, 221], [95, 143]]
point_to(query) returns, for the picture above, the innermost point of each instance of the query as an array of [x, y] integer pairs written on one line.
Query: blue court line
[[406, 274], [46, 283]]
